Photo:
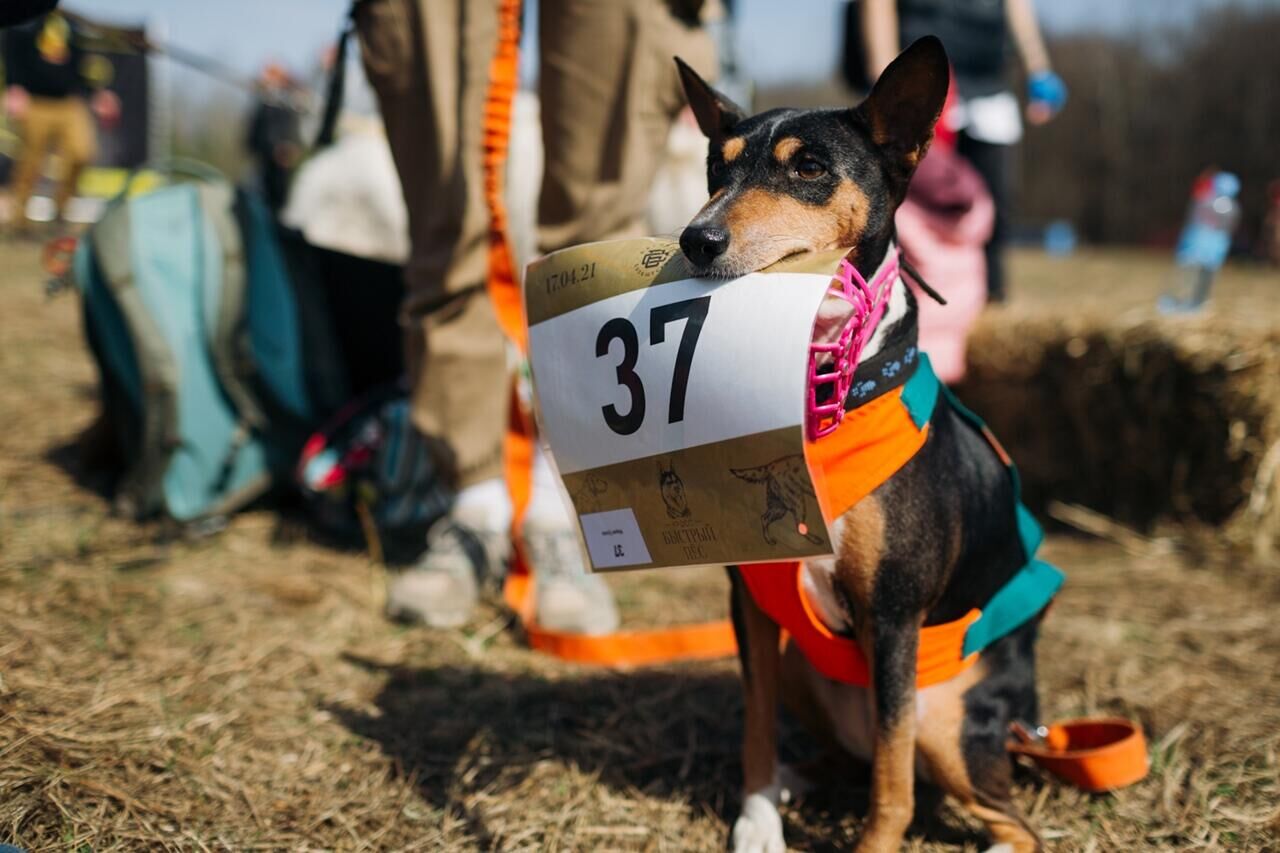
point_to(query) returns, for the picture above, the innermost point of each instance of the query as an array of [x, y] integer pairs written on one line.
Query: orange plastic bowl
[[1095, 755]]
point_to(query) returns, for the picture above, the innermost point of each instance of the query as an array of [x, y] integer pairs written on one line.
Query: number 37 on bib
[[673, 406]]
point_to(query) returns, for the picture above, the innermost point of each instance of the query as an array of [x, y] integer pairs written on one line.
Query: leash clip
[[1039, 736]]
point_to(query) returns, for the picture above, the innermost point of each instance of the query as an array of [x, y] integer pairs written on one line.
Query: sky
[[778, 40]]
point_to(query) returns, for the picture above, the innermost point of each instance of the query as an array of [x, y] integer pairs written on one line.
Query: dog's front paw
[[759, 828]]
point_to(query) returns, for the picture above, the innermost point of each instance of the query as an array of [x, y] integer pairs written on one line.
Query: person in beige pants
[[49, 95], [609, 94]]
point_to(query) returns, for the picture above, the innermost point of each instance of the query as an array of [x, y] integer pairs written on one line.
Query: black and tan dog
[[929, 545]]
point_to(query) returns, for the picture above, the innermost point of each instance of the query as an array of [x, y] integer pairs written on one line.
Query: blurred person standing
[[275, 133], [976, 36], [609, 93], [46, 95]]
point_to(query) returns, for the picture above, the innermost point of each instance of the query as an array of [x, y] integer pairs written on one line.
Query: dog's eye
[[809, 168], [716, 169]]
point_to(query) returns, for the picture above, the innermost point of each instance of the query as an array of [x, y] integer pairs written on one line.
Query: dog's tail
[[752, 475]]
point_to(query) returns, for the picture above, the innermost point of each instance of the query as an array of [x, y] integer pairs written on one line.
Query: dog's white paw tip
[[1000, 848], [759, 828]]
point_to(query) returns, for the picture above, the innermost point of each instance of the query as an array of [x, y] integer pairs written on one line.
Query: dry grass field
[[240, 691]]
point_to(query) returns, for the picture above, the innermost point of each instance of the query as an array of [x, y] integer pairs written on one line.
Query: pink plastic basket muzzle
[[839, 359]]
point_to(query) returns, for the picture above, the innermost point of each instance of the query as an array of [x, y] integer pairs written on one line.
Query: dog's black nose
[[703, 245]]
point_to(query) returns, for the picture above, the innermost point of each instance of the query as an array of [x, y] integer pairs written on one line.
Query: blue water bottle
[[1204, 243]]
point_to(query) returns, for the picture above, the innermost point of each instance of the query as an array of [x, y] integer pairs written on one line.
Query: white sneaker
[[443, 588], [566, 597]]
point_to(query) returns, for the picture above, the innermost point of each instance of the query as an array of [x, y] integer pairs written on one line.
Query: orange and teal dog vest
[[873, 441]]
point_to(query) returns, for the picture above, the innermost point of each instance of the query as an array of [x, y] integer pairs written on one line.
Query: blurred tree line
[[1148, 112]]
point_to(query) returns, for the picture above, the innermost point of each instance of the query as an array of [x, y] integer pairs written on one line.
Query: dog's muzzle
[[831, 365]]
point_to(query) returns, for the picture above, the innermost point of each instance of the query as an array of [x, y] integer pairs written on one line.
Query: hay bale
[[1148, 419]]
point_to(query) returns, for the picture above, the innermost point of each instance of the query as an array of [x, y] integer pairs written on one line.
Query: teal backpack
[[213, 370]]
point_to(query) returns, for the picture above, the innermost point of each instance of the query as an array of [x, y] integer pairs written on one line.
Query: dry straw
[[1150, 420]]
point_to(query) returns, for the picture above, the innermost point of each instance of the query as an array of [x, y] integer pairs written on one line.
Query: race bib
[[674, 406]]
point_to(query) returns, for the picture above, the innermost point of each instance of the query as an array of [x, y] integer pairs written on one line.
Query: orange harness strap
[[627, 648], [869, 446], [777, 590]]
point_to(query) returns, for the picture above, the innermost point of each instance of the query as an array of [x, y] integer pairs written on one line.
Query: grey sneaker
[[566, 597], [442, 589]]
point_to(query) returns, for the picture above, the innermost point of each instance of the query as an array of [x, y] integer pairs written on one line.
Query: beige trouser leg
[[79, 147], [38, 133], [428, 61], [61, 124], [609, 91]]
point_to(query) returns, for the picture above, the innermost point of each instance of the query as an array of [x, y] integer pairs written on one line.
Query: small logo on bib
[[653, 260]]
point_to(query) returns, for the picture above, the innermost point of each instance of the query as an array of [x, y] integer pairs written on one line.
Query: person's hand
[[106, 106], [16, 101], [1046, 95]]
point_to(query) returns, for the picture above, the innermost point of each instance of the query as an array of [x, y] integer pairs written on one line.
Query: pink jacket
[[942, 226]]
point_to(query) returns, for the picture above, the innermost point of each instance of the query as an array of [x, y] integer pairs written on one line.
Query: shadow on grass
[[670, 734], [88, 458]]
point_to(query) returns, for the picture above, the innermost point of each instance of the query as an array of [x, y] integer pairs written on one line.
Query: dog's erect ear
[[715, 113], [906, 101]]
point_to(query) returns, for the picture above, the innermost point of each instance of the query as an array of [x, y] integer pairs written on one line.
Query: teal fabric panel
[[177, 266], [1025, 595], [275, 335], [110, 330], [1029, 531], [1033, 587], [920, 394]]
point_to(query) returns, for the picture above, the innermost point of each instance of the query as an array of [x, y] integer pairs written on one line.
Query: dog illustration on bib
[[673, 494], [787, 490]]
